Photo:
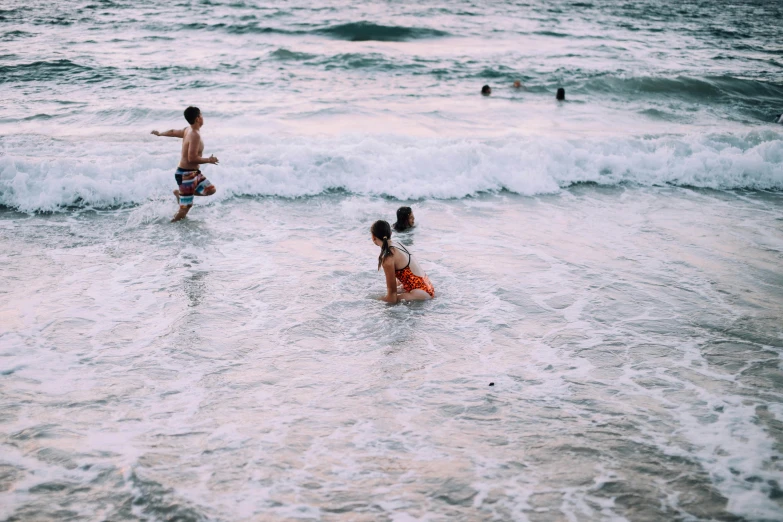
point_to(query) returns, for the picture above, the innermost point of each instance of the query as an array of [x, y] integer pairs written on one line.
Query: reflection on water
[[195, 286]]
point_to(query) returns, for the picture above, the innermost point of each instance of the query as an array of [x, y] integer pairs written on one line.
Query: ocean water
[[611, 264]]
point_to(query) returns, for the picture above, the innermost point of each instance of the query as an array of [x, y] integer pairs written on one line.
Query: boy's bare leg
[[183, 211], [176, 195]]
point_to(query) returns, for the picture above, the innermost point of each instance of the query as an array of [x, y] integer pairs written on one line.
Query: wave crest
[[54, 70], [705, 89], [368, 31], [46, 175], [352, 31]]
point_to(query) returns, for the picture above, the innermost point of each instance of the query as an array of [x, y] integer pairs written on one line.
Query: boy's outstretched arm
[[173, 133]]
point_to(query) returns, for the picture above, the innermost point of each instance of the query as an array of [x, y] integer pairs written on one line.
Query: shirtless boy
[[189, 178]]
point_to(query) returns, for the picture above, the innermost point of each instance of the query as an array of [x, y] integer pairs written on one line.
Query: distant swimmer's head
[[560, 96], [405, 219], [517, 84], [486, 90], [192, 114], [381, 233]]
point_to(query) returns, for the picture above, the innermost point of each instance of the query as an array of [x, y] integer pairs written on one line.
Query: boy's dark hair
[[560, 94], [191, 113], [485, 90]]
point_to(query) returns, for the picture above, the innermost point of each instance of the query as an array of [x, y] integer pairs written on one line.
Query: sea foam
[[43, 174]]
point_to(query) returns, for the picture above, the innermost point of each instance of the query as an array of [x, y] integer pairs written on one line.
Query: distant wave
[[706, 89], [363, 61], [251, 28], [240, 29], [553, 33], [40, 174], [283, 54], [353, 32], [366, 31], [40, 116], [498, 71], [13, 35], [53, 70]]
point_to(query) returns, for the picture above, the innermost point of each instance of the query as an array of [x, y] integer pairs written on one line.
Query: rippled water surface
[[606, 340], [239, 368]]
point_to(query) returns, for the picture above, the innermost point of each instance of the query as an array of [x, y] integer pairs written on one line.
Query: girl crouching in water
[[398, 264]]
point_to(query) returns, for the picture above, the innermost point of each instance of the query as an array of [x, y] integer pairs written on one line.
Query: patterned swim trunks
[[190, 182]]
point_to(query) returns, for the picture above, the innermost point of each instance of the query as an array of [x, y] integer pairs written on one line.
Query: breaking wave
[[41, 174]]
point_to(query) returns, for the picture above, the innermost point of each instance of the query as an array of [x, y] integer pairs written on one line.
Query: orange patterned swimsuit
[[411, 281]]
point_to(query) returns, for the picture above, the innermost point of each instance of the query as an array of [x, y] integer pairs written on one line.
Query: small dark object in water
[[560, 96], [486, 90], [492, 384]]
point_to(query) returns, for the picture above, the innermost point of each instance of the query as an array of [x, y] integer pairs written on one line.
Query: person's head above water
[[192, 114], [405, 219], [560, 96], [381, 233], [517, 84], [486, 90]]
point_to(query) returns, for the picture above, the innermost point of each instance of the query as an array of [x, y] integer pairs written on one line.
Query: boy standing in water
[[188, 176]]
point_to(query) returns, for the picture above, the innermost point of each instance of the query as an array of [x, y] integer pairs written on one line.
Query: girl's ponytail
[[381, 230]]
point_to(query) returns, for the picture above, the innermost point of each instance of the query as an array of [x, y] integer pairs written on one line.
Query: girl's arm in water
[[391, 280]]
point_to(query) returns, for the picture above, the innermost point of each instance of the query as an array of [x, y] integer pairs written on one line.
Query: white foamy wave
[[44, 174]]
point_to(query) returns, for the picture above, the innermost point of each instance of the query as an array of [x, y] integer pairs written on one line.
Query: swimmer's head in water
[[486, 90], [192, 114], [405, 219], [560, 94], [381, 230], [517, 84]]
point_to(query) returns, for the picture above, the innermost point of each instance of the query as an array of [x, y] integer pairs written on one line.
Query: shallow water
[[236, 366], [610, 264]]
